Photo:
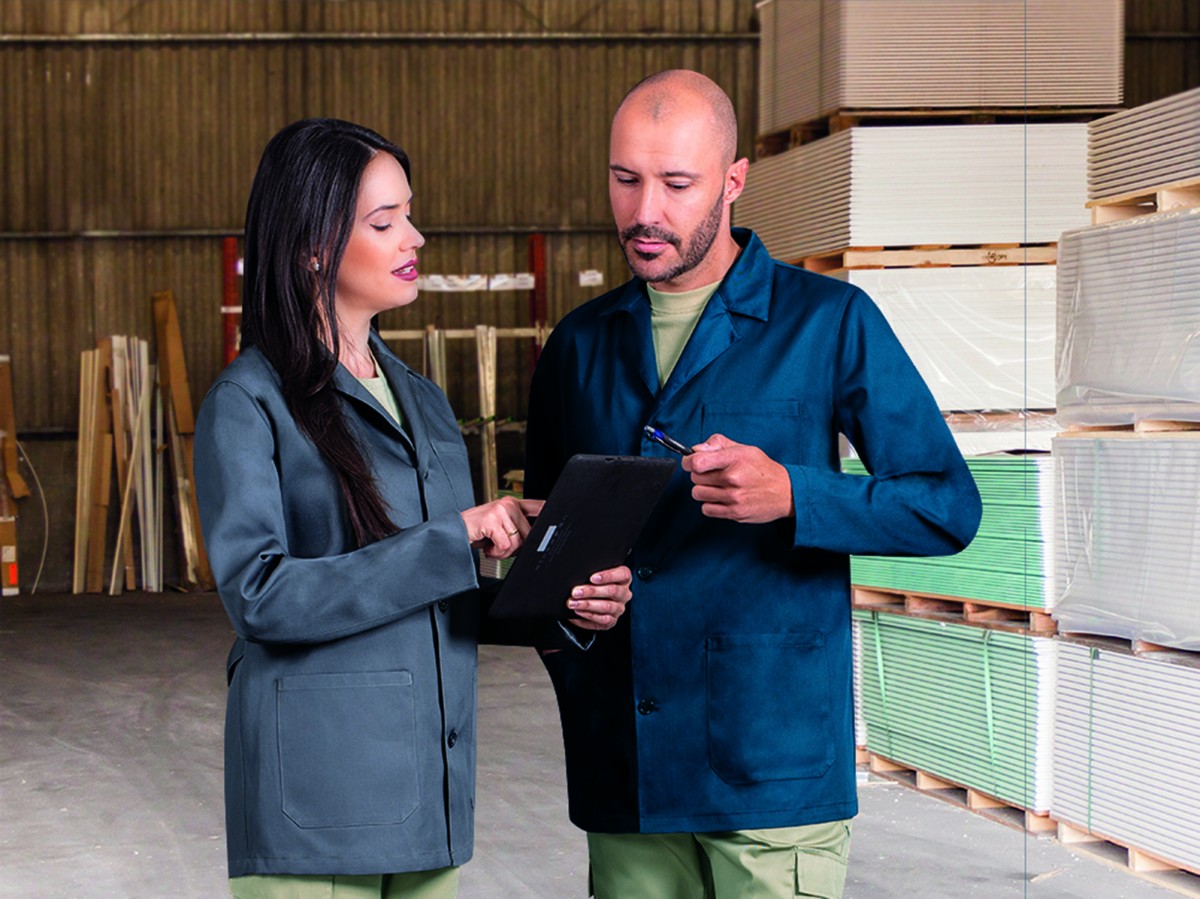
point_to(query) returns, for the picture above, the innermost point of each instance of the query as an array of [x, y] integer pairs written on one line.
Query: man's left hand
[[739, 482]]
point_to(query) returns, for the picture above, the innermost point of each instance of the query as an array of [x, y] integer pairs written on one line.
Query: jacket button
[[645, 573], [452, 739], [647, 706], [444, 605], [425, 474]]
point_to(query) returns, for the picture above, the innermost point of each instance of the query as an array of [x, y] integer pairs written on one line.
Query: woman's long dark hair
[[301, 210]]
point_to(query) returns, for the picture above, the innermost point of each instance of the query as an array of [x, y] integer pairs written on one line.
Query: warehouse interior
[[1016, 183]]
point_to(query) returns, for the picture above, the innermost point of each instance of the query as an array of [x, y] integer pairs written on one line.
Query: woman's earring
[[316, 266]]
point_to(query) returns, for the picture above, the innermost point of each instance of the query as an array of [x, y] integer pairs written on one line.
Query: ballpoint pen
[[664, 439]]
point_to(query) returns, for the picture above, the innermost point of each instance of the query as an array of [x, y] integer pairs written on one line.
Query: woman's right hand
[[500, 527]]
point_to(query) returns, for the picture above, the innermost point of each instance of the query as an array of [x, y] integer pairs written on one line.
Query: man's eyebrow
[[615, 167]]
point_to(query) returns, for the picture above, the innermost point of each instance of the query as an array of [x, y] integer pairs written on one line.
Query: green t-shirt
[[379, 388], [673, 318]]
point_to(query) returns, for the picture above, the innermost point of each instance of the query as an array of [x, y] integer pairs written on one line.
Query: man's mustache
[[652, 233]]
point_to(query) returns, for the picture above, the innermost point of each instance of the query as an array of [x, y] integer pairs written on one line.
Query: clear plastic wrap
[[1125, 747], [1126, 544], [984, 432], [982, 337], [1128, 331]]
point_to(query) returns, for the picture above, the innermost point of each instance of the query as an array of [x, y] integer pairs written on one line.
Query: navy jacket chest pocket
[[777, 427]]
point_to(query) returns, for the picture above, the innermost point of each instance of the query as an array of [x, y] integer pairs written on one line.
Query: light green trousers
[[439, 884], [765, 864]]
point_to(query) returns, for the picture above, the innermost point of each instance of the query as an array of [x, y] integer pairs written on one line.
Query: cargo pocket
[[822, 873], [769, 714], [347, 748]]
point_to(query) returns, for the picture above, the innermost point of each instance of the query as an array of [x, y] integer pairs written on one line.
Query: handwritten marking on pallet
[[856, 258]]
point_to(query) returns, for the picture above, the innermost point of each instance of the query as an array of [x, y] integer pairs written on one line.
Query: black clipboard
[[590, 521]]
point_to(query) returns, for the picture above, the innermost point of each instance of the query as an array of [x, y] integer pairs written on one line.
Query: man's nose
[[649, 205]]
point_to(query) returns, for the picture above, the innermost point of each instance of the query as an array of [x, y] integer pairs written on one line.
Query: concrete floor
[[110, 777]]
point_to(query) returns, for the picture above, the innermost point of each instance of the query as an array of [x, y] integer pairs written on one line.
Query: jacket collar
[[399, 377], [740, 292], [744, 292]]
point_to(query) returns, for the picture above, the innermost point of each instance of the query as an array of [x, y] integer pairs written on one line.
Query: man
[[709, 736]]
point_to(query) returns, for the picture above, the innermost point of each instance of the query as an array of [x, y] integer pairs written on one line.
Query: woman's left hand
[[600, 602]]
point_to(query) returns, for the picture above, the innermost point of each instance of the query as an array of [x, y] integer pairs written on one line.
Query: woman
[[336, 503]]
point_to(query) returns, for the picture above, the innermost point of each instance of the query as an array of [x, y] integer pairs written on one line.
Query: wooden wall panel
[[133, 131], [1162, 49]]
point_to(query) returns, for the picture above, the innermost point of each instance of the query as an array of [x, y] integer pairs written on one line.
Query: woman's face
[[379, 268]]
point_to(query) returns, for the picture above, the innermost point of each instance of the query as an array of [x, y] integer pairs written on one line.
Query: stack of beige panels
[[953, 185], [1145, 148], [819, 56]]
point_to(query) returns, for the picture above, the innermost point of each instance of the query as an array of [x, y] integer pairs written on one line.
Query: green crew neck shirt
[[673, 318], [379, 388]]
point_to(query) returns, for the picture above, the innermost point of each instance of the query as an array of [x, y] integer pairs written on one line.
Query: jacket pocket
[[456, 467], [777, 427], [769, 709], [347, 748]]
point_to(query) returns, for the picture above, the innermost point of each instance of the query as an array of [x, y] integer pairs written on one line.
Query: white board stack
[[941, 185], [1127, 549], [982, 337], [1145, 148], [819, 56], [1125, 749], [1128, 344]]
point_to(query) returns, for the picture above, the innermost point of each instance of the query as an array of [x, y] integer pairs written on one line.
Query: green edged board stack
[[966, 704], [1009, 561]]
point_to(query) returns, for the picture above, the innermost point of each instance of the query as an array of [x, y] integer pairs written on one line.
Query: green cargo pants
[[780, 862]]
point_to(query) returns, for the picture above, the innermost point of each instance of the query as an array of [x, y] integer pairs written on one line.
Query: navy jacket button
[[647, 706], [452, 739], [444, 604], [645, 573]]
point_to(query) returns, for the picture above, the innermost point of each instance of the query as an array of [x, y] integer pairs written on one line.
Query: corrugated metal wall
[[132, 130]]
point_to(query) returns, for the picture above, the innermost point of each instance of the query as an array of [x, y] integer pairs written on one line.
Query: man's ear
[[735, 179]]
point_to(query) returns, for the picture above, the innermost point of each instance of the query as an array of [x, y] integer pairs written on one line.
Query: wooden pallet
[[1003, 616], [1185, 878], [780, 140], [961, 795], [941, 256], [1149, 427], [1168, 198]]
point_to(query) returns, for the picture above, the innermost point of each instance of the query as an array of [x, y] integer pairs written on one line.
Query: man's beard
[[690, 257]]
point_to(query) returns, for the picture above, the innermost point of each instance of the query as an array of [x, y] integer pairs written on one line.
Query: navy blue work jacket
[[723, 698], [350, 721]]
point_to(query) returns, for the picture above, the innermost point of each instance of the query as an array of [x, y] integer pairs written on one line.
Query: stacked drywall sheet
[[982, 337], [1128, 331], [941, 185], [1145, 148], [1125, 750], [1009, 561], [966, 704], [860, 723], [825, 55], [1127, 546]]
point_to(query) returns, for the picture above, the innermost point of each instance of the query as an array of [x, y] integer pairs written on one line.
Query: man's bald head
[[681, 91]]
